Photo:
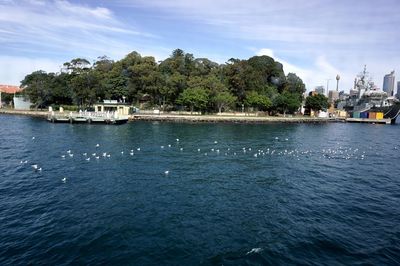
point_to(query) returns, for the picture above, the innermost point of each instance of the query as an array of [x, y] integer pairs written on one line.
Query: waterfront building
[[388, 83], [9, 89], [398, 90], [121, 108]]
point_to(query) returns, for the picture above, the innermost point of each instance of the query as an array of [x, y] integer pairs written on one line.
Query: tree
[[194, 98], [287, 102], [37, 87], [258, 101], [223, 99], [317, 102]]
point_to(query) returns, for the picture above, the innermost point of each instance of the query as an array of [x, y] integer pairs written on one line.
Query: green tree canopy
[[258, 101], [317, 102], [195, 98]]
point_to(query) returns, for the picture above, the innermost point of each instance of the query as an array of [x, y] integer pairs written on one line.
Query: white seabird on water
[[177, 140], [64, 179], [34, 166], [97, 145], [166, 172]]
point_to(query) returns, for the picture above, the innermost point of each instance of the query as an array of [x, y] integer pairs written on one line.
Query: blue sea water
[[234, 194]]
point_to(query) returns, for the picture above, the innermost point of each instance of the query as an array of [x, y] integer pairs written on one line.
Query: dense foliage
[[317, 102], [180, 81]]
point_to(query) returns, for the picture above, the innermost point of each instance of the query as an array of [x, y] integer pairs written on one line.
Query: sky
[[316, 39]]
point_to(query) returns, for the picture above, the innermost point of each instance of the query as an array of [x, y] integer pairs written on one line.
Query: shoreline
[[251, 119]]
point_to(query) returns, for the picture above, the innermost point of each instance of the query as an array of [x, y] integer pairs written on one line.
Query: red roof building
[[9, 89]]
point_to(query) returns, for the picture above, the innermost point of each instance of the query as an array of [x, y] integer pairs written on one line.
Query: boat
[[367, 103]]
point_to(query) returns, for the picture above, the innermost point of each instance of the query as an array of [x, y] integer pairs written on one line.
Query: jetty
[[87, 117]]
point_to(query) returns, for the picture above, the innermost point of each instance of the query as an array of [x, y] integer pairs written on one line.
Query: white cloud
[[14, 69], [316, 74]]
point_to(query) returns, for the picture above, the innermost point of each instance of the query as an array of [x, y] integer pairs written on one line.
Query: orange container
[[372, 115]]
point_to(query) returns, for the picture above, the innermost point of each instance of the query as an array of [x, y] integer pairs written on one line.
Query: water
[[328, 194]]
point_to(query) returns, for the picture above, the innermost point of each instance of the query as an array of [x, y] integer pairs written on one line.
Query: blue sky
[[316, 39]]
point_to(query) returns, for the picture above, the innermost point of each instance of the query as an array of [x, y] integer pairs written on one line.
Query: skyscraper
[[388, 83], [398, 90]]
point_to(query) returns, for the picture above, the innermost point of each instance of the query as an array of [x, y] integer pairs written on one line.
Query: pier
[[386, 121], [87, 117]]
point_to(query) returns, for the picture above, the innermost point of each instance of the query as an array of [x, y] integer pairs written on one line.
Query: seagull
[[198, 150], [63, 156], [104, 154], [64, 179], [39, 169], [97, 157], [71, 155], [34, 166], [177, 140], [93, 154], [169, 145], [138, 149], [87, 159], [215, 142], [68, 151], [162, 147], [108, 155], [131, 153], [97, 145], [84, 154], [181, 149], [166, 172], [122, 152], [33, 137]]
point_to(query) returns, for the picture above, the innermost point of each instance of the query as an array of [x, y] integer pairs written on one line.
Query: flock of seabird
[[330, 153]]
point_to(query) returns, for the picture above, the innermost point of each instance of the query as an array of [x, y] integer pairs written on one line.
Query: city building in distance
[[388, 84]]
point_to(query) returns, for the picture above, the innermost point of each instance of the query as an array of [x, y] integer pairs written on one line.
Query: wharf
[[368, 120], [87, 117]]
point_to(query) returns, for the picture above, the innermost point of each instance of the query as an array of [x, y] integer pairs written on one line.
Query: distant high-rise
[[333, 96], [320, 90], [398, 90], [388, 83]]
